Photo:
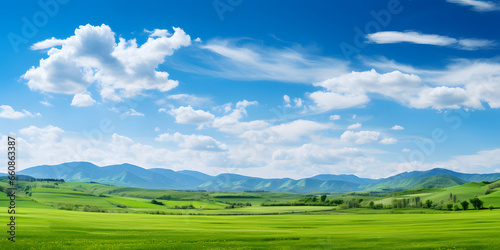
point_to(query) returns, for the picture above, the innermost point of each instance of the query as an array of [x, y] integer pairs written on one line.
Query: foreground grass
[[40, 228]]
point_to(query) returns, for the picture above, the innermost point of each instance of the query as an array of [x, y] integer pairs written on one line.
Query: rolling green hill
[[158, 178]]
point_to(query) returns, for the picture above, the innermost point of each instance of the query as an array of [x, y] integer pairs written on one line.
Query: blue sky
[[268, 89]]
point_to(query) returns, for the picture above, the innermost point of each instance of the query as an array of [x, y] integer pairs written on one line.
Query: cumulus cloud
[[49, 43], [353, 89], [243, 104], [286, 98], [8, 112], [477, 5], [52, 145], [187, 115], [292, 131], [354, 126], [231, 123], [385, 37], [361, 137], [397, 127], [195, 142], [92, 56], [335, 117], [82, 100], [326, 100], [468, 83], [49, 133]]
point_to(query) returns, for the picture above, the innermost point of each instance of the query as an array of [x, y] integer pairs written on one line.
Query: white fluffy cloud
[[477, 5], [49, 133], [195, 142], [361, 137], [52, 145], [397, 127], [467, 83], [354, 126], [335, 117], [353, 89], [8, 112], [187, 115], [385, 37], [286, 98], [326, 100], [243, 104], [292, 131], [82, 100], [231, 123], [92, 56]]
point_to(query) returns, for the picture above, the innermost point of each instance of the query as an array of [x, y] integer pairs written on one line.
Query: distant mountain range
[[157, 178]]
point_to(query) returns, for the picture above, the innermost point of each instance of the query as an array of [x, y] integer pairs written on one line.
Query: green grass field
[[128, 222], [40, 228]]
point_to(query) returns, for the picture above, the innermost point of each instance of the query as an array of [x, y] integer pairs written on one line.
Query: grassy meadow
[[95, 216]]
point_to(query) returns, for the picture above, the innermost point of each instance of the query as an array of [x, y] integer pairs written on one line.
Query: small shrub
[[157, 202], [455, 207], [449, 206], [490, 207]]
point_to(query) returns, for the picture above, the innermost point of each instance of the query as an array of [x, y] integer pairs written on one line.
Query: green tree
[[449, 206], [323, 198], [360, 200], [417, 201], [465, 205], [476, 202], [455, 207], [428, 203], [372, 204], [491, 207]]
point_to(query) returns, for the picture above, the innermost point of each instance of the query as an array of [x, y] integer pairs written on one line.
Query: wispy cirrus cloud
[[386, 37], [245, 59], [477, 5]]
